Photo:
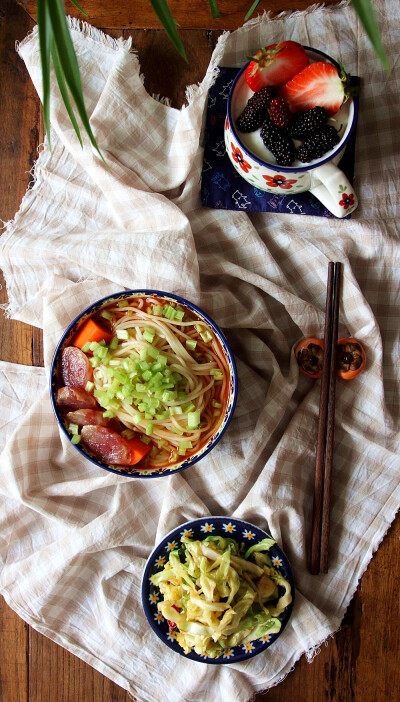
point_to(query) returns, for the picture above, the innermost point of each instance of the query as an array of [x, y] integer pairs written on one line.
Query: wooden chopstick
[[324, 449]]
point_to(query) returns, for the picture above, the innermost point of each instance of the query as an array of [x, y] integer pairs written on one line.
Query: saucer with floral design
[[199, 529]]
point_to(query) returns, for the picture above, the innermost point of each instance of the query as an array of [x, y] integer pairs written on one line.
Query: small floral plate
[[200, 529]]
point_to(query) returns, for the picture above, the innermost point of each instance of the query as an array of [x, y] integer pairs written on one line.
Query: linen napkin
[[74, 539]]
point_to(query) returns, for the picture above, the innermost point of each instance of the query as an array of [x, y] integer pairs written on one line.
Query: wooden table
[[360, 663]]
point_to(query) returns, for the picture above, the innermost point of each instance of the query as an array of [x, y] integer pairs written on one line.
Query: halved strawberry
[[275, 65], [319, 84]]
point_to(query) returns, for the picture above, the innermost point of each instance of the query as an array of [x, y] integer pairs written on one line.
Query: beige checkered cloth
[[74, 539]]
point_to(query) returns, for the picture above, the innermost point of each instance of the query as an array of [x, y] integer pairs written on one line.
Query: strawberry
[[319, 84], [275, 64]]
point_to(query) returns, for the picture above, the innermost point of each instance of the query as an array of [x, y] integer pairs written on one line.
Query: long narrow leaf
[[250, 12], [63, 89], [69, 63], [163, 13], [45, 37], [79, 7], [214, 8], [366, 13]]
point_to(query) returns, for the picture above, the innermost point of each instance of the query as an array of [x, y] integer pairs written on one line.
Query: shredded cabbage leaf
[[217, 594]]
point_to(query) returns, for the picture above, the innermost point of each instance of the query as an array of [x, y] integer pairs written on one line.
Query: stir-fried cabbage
[[217, 595]]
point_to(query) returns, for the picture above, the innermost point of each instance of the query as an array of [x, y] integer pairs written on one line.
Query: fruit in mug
[[256, 110], [305, 123], [278, 142], [280, 113], [318, 143], [319, 84], [275, 65]]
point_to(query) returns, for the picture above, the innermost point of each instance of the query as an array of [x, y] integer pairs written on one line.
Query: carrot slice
[[138, 450], [91, 331]]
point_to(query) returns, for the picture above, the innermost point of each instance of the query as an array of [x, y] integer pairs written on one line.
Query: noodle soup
[[143, 384]]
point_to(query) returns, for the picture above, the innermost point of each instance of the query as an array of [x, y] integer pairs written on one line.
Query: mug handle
[[331, 187]]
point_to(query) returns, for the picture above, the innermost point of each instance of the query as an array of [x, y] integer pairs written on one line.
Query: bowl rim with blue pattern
[[233, 385], [199, 529]]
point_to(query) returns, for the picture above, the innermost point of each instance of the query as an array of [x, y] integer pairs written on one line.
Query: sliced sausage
[[106, 444], [76, 398], [81, 417], [76, 370]]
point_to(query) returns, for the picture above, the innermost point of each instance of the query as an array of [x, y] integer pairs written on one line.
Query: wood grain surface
[[361, 662]]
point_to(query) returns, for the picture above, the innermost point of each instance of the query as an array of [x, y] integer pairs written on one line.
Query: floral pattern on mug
[[279, 181], [238, 157], [347, 200]]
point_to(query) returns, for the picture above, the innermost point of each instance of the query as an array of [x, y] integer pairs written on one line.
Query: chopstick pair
[[324, 453]]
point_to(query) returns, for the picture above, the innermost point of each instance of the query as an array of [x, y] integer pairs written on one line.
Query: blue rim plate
[[204, 450], [200, 529]]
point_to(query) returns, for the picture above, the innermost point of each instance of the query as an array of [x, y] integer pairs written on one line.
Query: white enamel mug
[[257, 166]]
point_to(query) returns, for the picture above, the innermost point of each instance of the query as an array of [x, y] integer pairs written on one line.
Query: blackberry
[[305, 123], [256, 110], [280, 113], [317, 144], [278, 142]]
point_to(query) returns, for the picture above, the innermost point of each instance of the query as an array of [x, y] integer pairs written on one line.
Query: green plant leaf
[[250, 12], [79, 7], [69, 63], [163, 13], [214, 8], [45, 38], [63, 89], [366, 13]]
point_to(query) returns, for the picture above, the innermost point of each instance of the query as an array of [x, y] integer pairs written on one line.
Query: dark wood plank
[[13, 659], [173, 74], [55, 675], [20, 136], [196, 14]]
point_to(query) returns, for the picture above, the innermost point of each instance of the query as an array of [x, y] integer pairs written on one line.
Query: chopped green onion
[[122, 334], [115, 362], [86, 347], [158, 310], [75, 439], [177, 430], [145, 439], [193, 419], [73, 428], [105, 314], [109, 414], [215, 403], [191, 344], [175, 410], [89, 386], [137, 418], [148, 334], [206, 336], [189, 408], [179, 314], [114, 343], [143, 354], [123, 303], [153, 353], [216, 373], [149, 429], [127, 434]]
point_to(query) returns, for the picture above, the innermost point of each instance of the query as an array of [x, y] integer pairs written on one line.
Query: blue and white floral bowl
[[257, 166], [199, 529], [232, 390]]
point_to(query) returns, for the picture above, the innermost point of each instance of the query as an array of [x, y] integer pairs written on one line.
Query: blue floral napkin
[[223, 188]]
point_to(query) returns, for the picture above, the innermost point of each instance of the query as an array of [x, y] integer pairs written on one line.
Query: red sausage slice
[[76, 398], [76, 370], [106, 444], [81, 417]]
